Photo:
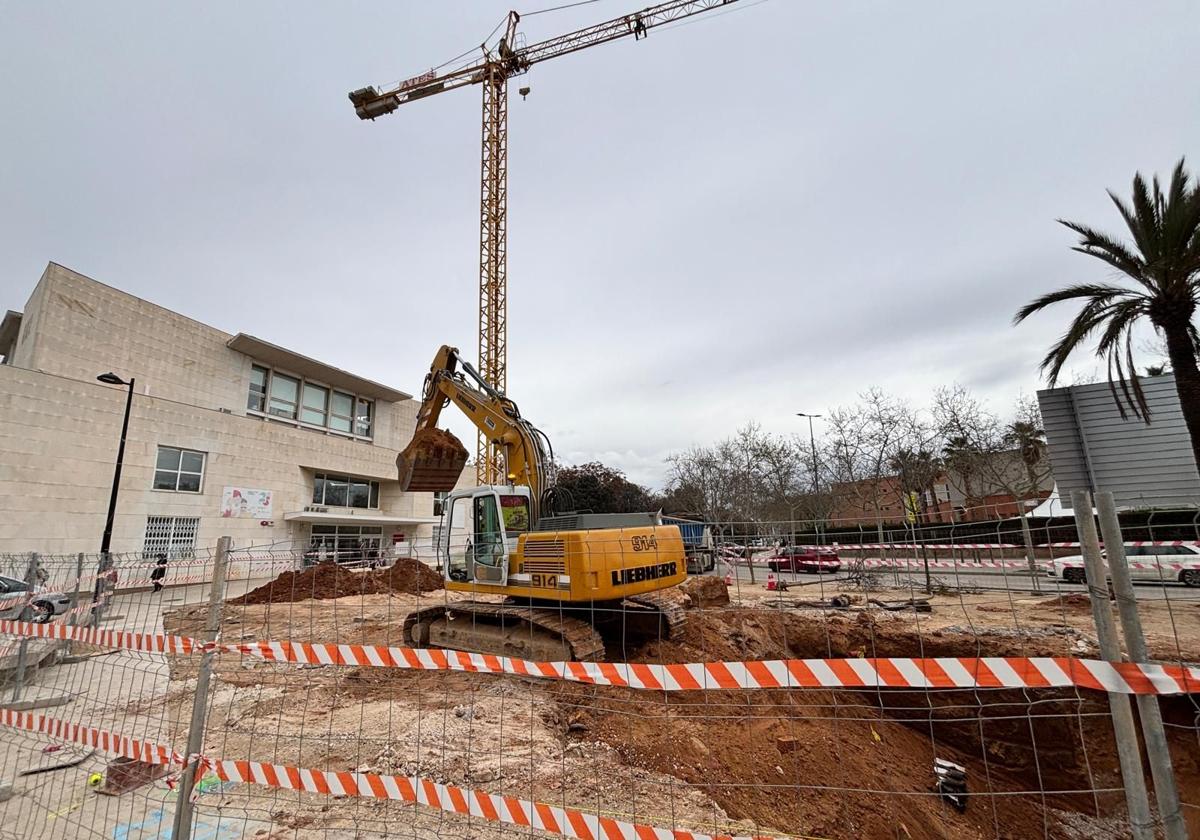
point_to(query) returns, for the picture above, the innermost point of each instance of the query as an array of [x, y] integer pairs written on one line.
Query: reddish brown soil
[[1075, 603], [436, 444], [860, 763], [706, 591], [329, 580]]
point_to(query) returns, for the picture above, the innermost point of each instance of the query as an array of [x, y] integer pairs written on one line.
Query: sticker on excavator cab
[[645, 543], [542, 581], [620, 577], [516, 513]]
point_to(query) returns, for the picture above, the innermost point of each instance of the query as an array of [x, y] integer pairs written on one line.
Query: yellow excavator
[[570, 584]]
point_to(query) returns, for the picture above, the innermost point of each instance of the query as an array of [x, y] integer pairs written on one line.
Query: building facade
[[228, 435], [985, 487]]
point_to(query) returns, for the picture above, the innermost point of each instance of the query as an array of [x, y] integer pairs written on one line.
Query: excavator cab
[[483, 526]]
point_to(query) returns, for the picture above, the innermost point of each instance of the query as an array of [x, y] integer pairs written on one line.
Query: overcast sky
[[758, 213]]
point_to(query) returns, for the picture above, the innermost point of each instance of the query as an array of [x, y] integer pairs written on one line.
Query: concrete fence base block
[[76, 658], [6, 790], [37, 703], [126, 774]]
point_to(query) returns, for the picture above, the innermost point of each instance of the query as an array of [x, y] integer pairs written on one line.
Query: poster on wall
[[241, 502]]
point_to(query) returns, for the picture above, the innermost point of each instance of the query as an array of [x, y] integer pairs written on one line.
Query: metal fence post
[[77, 589], [1136, 798], [25, 614], [182, 826], [102, 568], [1027, 537], [1157, 750]]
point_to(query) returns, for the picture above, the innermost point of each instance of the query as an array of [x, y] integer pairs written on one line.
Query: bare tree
[[747, 478], [985, 455], [863, 443]]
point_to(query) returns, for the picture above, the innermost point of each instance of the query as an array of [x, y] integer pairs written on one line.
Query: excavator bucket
[[432, 461]]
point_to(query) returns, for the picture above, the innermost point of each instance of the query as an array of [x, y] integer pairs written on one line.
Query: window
[[292, 398], [343, 491], [439, 501], [346, 543], [174, 536], [341, 414], [313, 409], [284, 390], [179, 470], [256, 400], [362, 420]]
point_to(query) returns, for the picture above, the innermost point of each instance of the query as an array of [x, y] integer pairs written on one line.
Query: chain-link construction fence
[[270, 692]]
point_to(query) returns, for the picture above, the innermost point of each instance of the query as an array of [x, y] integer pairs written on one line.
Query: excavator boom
[[434, 459]]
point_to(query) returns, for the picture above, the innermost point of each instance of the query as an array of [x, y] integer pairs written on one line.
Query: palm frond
[[1116, 345], [1105, 247], [1137, 215], [1085, 322], [1092, 291]]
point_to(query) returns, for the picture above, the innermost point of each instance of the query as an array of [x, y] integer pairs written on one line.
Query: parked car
[[45, 605], [1155, 563], [802, 558]]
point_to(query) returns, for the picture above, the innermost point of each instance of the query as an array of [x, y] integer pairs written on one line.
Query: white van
[[1156, 563]]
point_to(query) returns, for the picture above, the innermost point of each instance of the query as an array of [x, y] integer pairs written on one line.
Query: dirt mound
[[436, 444], [706, 591], [329, 580], [1075, 602]]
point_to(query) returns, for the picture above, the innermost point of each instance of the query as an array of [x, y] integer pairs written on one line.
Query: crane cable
[[559, 8]]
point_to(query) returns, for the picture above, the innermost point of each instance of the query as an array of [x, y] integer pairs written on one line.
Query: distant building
[[229, 434], [1093, 448], [986, 494]]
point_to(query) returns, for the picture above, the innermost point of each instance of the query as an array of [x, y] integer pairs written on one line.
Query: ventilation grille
[[544, 567], [544, 548]]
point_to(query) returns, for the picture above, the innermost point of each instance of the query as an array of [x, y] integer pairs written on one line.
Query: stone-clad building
[[228, 434]]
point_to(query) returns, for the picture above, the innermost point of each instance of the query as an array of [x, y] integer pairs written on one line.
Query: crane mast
[[492, 73]]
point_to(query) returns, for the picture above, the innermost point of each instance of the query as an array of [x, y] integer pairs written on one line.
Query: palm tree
[[1162, 267], [1029, 439]]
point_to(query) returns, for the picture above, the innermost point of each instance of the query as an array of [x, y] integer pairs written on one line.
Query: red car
[[805, 559]]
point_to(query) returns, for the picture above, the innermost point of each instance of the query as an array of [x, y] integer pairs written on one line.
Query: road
[[1004, 579]]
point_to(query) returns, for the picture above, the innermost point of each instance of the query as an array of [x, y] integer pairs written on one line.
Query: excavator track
[[669, 603], [505, 630]]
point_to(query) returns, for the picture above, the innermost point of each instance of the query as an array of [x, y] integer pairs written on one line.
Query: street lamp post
[[812, 441], [106, 541]]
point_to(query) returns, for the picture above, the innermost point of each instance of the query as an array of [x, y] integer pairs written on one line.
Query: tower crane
[[511, 57]]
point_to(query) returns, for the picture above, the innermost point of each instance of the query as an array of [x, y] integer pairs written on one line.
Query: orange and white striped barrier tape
[[122, 639], [1133, 543], [849, 672], [492, 807], [101, 739], [568, 822]]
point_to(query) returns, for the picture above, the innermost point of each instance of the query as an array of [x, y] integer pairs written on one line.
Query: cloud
[[763, 213]]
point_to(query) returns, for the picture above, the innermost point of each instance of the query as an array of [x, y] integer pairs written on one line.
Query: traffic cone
[[771, 587]]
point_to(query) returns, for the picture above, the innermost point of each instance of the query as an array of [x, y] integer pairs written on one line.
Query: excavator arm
[[434, 459]]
